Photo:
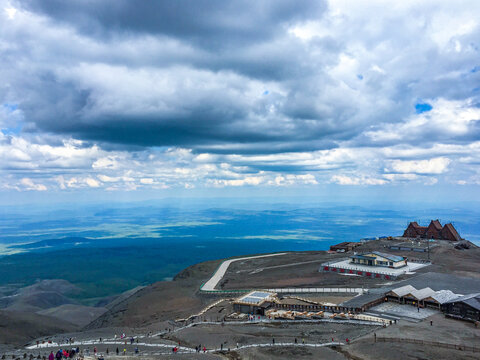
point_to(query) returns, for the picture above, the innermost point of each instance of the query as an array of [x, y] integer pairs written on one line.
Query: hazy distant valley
[[104, 251]]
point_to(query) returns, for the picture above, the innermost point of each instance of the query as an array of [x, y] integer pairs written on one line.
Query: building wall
[[432, 232], [460, 309], [411, 232], [447, 235], [379, 261]]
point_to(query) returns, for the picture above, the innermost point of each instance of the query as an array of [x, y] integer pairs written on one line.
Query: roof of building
[[436, 224], [378, 253], [255, 297], [342, 243], [361, 300], [472, 300], [437, 281], [345, 244], [443, 296], [423, 293], [292, 301], [454, 232], [389, 256], [404, 290], [361, 256], [415, 225]]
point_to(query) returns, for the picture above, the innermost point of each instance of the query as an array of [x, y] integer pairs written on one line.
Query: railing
[[431, 343]]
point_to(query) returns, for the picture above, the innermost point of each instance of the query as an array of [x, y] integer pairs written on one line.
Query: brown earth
[[164, 300], [212, 336], [443, 330], [17, 328], [288, 353]]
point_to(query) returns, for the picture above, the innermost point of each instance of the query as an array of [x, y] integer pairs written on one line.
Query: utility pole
[[428, 249]]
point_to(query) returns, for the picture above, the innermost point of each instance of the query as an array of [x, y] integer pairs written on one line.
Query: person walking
[[117, 351], [296, 340], [51, 356], [273, 341]]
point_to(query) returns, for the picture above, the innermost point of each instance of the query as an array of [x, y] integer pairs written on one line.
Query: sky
[[120, 99]]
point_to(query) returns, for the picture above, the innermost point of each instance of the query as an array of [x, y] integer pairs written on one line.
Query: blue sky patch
[[10, 107], [422, 107], [360, 77]]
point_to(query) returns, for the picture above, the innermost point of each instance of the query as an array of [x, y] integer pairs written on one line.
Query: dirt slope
[[76, 314], [17, 328], [164, 300]]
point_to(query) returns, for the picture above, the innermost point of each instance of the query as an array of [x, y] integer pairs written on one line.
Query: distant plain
[[105, 250]]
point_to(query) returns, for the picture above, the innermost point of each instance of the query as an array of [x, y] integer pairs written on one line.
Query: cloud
[[125, 96], [356, 180], [448, 120], [432, 166], [92, 182], [28, 184]]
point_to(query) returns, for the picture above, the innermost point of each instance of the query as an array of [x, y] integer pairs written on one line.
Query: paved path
[[166, 344], [222, 269], [183, 349]]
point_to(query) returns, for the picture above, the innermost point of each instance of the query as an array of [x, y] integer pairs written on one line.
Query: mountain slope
[[161, 301]]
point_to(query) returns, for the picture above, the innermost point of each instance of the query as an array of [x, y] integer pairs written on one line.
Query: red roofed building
[[433, 231], [414, 230], [450, 233]]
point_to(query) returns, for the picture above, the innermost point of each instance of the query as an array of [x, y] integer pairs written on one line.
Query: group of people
[[199, 349], [63, 354]]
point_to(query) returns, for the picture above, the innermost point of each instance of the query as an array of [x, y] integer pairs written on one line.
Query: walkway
[[212, 283], [222, 269]]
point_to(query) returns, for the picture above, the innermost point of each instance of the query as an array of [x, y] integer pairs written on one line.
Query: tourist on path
[[51, 356]]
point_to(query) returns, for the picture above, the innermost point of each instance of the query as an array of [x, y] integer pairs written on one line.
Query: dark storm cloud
[[224, 76], [238, 49], [213, 23]]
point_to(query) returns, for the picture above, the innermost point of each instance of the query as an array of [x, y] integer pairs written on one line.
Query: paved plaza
[[399, 310]]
